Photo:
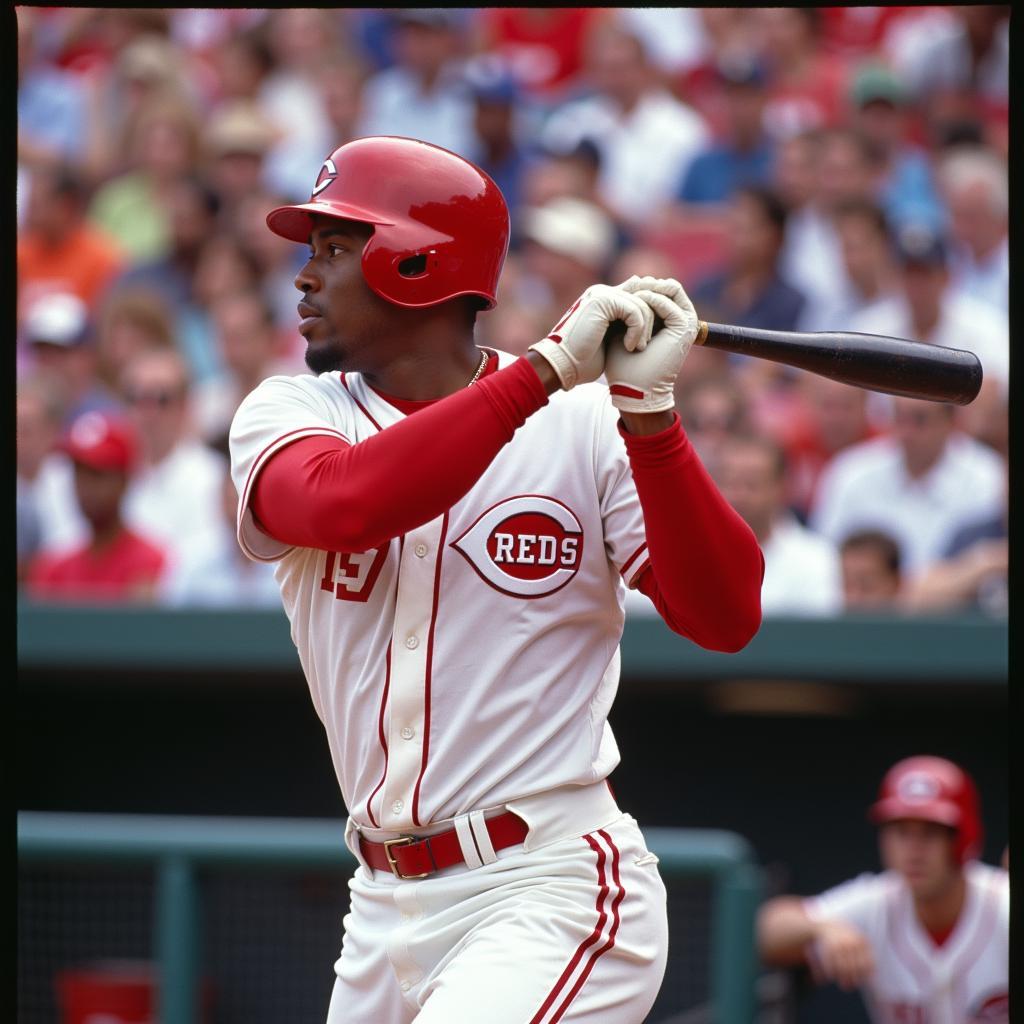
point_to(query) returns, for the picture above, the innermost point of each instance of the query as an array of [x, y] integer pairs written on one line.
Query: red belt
[[409, 857]]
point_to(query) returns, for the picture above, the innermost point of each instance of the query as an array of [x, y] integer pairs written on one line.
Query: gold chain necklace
[[480, 369]]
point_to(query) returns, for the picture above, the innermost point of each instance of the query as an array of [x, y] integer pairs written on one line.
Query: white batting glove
[[644, 381], [575, 346]]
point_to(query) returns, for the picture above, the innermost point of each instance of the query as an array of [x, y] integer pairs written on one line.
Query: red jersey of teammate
[[126, 570]]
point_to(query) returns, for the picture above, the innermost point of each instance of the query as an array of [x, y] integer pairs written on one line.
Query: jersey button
[[397, 806], [407, 733], [420, 550], [412, 643], [406, 986]]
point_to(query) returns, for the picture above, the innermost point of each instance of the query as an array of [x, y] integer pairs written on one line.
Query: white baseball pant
[[574, 930]]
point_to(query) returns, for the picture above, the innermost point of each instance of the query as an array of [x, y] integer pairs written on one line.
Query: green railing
[[179, 846]]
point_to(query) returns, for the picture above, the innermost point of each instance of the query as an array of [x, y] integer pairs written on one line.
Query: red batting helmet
[[932, 789], [423, 201]]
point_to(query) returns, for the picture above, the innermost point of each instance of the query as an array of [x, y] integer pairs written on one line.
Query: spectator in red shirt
[[115, 564]]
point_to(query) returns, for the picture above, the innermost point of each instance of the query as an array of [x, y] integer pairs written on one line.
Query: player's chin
[[324, 356]]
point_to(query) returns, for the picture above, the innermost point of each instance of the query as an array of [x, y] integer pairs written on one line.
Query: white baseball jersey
[[472, 661], [963, 981]]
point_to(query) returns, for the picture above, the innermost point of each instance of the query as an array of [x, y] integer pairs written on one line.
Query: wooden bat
[[893, 366]]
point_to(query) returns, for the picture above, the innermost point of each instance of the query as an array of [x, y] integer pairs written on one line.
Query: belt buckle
[[400, 841]]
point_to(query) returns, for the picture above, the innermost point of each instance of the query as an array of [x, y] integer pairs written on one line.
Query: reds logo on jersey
[[993, 1009], [527, 546]]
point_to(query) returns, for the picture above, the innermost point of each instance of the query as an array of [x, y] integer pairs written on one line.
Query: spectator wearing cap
[[745, 153], [920, 482], [497, 149], [423, 95], [236, 142], [975, 186], [801, 569], [174, 496], [115, 563], [567, 245], [646, 138], [61, 346], [927, 307], [905, 183], [58, 250]]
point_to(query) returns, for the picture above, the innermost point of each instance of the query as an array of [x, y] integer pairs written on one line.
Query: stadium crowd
[[838, 168]]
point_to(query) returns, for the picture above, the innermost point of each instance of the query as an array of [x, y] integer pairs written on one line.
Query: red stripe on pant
[[593, 937]]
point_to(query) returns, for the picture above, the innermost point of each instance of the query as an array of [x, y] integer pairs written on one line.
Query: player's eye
[[333, 249]]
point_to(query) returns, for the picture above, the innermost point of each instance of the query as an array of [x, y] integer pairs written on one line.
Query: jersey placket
[[408, 721]]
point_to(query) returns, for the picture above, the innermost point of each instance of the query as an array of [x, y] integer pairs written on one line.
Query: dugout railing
[[179, 849]]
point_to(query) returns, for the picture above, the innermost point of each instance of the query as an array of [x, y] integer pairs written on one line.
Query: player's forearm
[[784, 931], [704, 558], [321, 493]]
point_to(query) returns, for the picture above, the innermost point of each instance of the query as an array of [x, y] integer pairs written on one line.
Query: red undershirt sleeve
[[321, 493], [706, 566]]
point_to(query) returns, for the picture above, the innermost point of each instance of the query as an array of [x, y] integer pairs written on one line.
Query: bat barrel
[[894, 366]]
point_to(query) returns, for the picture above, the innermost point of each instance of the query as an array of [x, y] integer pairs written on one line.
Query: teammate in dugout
[[454, 530], [927, 941]]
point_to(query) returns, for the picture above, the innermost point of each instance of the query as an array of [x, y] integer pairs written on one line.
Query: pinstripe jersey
[[473, 660], [963, 981]]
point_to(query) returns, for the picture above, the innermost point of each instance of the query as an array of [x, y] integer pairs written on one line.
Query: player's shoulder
[[988, 877]]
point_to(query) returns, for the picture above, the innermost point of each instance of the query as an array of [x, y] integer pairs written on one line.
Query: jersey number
[[350, 577]]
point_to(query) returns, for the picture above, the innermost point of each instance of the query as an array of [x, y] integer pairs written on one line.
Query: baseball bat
[[893, 366]]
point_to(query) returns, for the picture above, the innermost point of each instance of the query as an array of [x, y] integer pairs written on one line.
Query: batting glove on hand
[[575, 346], [644, 381]]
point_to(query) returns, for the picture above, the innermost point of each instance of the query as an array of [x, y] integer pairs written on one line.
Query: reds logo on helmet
[[527, 546]]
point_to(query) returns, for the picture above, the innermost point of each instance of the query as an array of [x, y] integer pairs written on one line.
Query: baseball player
[[455, 529], [927, 941]]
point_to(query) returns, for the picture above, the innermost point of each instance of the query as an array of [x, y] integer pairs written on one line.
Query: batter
[[455, 529]]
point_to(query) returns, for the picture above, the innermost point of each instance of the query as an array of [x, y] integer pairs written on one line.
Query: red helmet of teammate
[[933, 789], [441, 225]]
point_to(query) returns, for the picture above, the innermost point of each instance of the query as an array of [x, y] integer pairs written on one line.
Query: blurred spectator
[[249, 347], [242, 62], [972, 572], [161, 145], [292, 165], [967, 55], [674, 37], [51, 103], [28, 530], [423, 95], [976, 189], [62, 346], [301, 40], [905, 185], [987, 418], [744, 153], [542, 46], [834, 417], [870, 562], [215, 572], [131, 321], [842, 167], [496, 147], [58, 250], [643, 262], [175, 496], [46, 505], [801, 574], [567, 246], [751, 291], [236, 141], [115, 564], [551, 175], [870, 272], [807, 86], [928, 309], [919, 484], [713, 410], [192, 209], [629, 117]]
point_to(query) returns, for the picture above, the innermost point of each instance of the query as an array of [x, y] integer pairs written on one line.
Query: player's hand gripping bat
[[893, 366]]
